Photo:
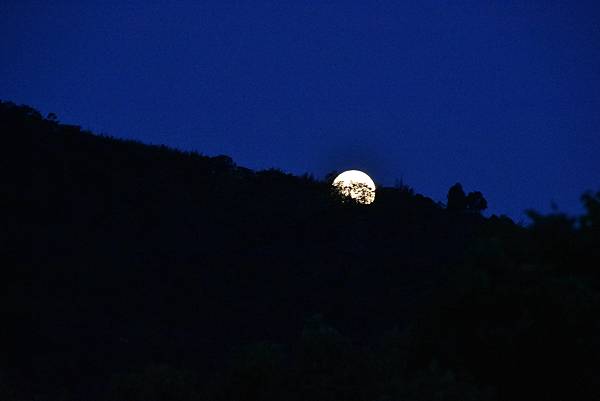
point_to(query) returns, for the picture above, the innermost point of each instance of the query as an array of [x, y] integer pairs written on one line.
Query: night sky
[[502, 96]]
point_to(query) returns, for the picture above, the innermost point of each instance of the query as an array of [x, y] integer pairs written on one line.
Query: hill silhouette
[[137, 272]]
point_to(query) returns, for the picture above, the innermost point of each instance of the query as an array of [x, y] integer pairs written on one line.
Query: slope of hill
[[127, 266]]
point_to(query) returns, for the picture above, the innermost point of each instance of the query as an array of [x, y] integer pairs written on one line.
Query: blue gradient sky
[[502, 96]]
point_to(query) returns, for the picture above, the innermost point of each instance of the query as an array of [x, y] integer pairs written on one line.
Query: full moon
[[357, 185]]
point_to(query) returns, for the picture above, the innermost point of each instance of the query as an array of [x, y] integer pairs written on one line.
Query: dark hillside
[[125, 265]]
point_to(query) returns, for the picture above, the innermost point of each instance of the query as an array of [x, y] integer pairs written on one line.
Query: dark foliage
[[136, 272], [459, 202], [476, 202]]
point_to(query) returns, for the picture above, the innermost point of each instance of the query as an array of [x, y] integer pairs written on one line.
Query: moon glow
[[356, 185]]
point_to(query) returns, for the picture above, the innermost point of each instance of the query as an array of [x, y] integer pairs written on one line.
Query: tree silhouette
[[356, 192], [458, 201], [475, 202], [456, 198], [591, 202]]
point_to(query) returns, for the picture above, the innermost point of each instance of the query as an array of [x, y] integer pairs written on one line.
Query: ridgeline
[[137, 272]]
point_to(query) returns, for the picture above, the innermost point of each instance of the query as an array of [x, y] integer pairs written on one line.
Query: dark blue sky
[[502, 96]]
